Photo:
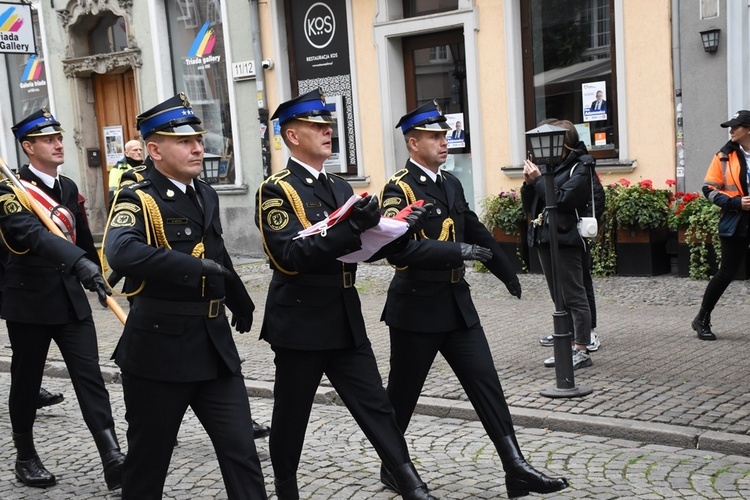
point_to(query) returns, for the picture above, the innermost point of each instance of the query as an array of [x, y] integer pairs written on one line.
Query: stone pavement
[[669, 415]]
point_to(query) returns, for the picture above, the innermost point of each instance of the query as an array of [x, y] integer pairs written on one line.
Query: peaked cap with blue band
[[309, 107], [428, 116], [171, 117], [37, 124]]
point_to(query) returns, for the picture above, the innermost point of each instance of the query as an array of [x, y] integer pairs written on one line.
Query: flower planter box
[[514, 246], [642, 252]]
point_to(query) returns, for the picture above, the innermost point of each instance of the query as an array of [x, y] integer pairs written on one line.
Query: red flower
[[624, 182], [671, 182], [646, 184]]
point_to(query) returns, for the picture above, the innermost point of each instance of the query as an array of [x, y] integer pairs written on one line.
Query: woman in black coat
[[573, 182]]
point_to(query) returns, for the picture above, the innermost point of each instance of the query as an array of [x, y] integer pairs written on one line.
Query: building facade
[[632, 75]]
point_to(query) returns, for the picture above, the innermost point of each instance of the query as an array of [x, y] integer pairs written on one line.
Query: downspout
[[260, 67], [677, 79]]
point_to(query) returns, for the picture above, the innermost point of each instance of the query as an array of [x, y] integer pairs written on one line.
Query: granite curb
[[614, 428]]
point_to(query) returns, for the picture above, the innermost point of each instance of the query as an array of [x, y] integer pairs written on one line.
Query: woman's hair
[[571, 134]]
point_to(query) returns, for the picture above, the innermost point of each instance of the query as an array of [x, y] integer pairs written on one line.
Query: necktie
[[190, 192], [57, 191], [439, 182], [324, 181]]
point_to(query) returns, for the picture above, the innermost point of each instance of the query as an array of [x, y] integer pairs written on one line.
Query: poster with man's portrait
[[456, 135], [594, 101]]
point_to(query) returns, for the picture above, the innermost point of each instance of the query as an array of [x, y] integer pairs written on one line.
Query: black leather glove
[[365, 214], [211, 267], [91, 278], [514, 287], [475, 252], [242, 323], [418, 217]]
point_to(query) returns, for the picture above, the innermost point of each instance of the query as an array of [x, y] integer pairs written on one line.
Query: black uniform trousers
[[78, 346], [354, 374], [468, 354], [155, 410]]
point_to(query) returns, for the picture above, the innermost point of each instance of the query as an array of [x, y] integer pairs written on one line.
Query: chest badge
[[188, 231]]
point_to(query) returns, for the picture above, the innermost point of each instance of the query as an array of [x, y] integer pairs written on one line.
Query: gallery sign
[[321, 42], [16, 29]]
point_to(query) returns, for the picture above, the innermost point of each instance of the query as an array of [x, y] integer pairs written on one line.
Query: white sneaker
[[580, 360], [595, 342]]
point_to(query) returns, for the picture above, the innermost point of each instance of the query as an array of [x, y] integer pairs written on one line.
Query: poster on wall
[[321, 40], [113, 140], [594, 98], [456, 135], [16, 29]]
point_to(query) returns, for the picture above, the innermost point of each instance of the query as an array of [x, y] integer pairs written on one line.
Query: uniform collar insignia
[[170, 193]]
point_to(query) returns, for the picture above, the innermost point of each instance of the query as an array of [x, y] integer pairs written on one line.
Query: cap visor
[[49, 130], [433, 126], [186, 129], [318, 119]]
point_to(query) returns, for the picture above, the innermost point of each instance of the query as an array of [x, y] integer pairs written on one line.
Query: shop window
[[569, 68], [196, 34], [27, 81], [414, 8]]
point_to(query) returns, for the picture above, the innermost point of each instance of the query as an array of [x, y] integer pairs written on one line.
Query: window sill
[[230, 189], [356, 180], [603, 167]]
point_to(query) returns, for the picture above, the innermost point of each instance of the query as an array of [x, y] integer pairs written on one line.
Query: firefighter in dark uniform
[[43, 299], [313, 318], [429, 307], [176, 351]]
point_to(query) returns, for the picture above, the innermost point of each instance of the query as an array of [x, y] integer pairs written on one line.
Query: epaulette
[[277, 176], [398, 175], [336, 175], [138, 185], [139, 168]]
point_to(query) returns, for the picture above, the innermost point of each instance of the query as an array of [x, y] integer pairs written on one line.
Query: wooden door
[[116, 105]]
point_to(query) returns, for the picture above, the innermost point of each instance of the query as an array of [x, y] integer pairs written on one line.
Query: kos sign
[[321, 40], [320, 25]]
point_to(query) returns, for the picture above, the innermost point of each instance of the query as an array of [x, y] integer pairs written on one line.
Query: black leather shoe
[[47, 398], [32, 473], [520, 477], [407, 483], [260, 431], [702, 325]]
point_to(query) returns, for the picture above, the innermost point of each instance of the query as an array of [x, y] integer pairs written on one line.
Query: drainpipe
[[677, 78], [260, 66]]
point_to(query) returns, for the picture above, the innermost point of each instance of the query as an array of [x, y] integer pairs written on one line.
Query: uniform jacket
[[307, 316], [173, 347], [573, 196], [435, 306], [38, 284], [725, 185]]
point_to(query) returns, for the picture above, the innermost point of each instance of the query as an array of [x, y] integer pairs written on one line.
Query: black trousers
[[733, 250], [468, 354], [355, 376], [78, 346], [154, 413]]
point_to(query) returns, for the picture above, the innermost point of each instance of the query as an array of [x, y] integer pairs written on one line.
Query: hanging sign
[[16, 29]]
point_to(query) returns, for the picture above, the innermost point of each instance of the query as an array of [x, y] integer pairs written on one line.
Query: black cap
[[37, 124], [741, 117], [428, 116], [309, 107], [171, 117]]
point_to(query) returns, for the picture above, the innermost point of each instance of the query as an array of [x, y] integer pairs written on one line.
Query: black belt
[[211, 308], [343, 280], [450, 276]]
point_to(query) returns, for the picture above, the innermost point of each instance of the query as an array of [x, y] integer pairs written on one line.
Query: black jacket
[[38, 275], [165, 346], [436, 306], [572, 180]]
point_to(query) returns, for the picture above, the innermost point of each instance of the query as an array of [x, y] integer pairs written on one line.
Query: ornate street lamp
[[710, 39], [546, 144]]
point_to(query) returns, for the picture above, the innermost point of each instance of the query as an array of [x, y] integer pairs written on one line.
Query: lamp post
[[546, 143]]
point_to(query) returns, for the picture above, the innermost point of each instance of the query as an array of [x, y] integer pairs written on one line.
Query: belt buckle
[[348, 279], [214, 308], [456, 275]]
